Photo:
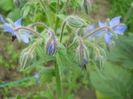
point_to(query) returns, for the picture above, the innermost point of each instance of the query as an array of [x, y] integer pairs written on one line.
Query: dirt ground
[[102, 9]]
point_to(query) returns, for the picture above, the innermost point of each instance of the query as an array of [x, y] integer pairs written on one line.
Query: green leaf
[[124, 49], [75, 21], [6, 5], [61, 16], [63, 60], [15, 14], [113, 81], [26, 11]]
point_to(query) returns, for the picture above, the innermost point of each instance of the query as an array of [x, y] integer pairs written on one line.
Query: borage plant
[[76, 47], [83, 47]]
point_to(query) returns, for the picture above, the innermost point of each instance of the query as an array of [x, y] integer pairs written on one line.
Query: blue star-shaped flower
[[114, 24], [24, 35], [36, 75]]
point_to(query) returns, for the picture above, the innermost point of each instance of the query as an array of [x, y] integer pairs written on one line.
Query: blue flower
[[114, 25], [36, 75], [83, 67], [51, 49], [113, 22], [24, 35], [1, 19], [51, 43], [107, 37], [85, 61]]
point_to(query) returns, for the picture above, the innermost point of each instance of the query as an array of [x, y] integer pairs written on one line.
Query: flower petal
[[36, 75], [92, 27], [120, 29], [85, 61], [51, 48], [2, 19], [18, 22], [107, 37], [28, 33], [98, 33], [115, 21], [89, 29], [102, 24], [25, 38], [8, 28]]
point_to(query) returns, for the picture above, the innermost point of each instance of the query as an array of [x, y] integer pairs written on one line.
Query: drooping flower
[[85, 61], [51, 48], [8, 27], [82, 54], [51, 43], [114, 25]]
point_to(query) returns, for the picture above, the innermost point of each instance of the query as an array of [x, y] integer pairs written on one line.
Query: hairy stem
[[39, 23], [62, 31], [97, 30], [58, 82], [32, 31], [57, 12]]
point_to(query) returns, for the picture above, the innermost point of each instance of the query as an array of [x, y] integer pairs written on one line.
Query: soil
[[102, 9]]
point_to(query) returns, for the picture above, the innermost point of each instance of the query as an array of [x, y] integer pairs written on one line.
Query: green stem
[[97, 30], [39, 23], [32, 31], [57, 12], [15, 82], [45, 11], [58, 82], [56, 24], [58, 6], [62, 31]]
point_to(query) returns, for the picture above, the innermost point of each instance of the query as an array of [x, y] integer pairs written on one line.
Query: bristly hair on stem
[[62, 31], [96, 30], [39, 23], [29, 29]]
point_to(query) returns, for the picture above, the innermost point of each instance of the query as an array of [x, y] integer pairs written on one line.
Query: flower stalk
[[58, 82], [62, 31], [97, 30], [32, 31], [57, 12], [39, 23]]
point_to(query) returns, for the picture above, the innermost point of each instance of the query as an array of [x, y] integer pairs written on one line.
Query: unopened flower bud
[[52, 43], [75, 21], [82, 54], [26, 57], [51, 48]]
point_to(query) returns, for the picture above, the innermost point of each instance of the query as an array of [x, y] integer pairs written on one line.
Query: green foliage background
[[120, 8]]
